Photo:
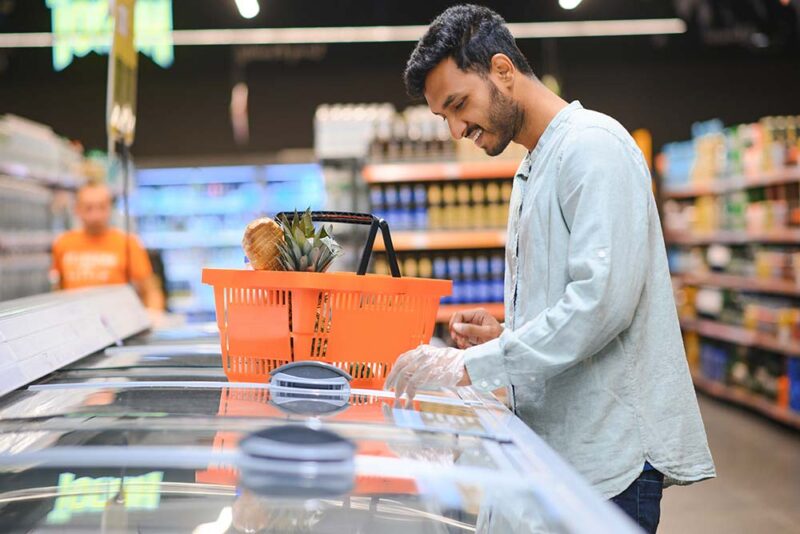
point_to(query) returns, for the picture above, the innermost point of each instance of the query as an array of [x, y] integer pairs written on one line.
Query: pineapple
[[260, 243], [303, 247]]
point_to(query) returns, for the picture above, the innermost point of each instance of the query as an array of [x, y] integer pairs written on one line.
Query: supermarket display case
[[151, 435]]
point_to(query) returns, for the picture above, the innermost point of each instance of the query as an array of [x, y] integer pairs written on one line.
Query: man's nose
[[457, 128]]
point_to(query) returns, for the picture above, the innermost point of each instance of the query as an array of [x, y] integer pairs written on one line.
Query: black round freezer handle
[[366, 219]]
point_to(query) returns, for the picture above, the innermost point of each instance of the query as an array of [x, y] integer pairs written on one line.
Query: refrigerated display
[[150, 435], [195, 215]]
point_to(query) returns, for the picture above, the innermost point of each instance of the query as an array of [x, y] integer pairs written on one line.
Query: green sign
[[92, 495], [83, 26]]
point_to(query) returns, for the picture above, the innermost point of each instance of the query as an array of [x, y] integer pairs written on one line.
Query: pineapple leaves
[[305, 248]]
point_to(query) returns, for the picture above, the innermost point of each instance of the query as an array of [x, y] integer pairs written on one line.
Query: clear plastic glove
[[428, 366]]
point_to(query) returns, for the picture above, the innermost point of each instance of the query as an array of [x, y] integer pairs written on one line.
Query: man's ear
[[502, 70]]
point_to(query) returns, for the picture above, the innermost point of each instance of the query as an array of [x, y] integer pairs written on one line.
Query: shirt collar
[[524, 169]]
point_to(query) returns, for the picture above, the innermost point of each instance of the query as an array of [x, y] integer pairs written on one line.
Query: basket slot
[[364, 370], [251, 368]]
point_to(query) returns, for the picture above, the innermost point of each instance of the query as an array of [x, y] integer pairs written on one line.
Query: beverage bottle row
[[477, 276], [443, 206], [414, 134]]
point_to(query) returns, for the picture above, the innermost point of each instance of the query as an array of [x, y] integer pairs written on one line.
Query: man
[[95, 254], [591, 349]]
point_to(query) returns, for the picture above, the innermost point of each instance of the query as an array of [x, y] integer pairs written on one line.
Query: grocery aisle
[[757, 489]]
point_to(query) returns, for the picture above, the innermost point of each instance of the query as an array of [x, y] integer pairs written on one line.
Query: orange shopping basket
[[358, 322]]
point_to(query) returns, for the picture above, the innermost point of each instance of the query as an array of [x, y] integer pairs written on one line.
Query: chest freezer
[[150, 437]]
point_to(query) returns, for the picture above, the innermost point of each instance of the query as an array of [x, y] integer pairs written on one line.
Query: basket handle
[[365, 219]]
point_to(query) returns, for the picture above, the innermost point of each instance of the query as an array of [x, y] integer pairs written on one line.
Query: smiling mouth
[[475, 135]]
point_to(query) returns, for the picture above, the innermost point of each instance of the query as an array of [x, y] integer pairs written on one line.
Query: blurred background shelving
[[731, 213], [194, 217], [39, 172]]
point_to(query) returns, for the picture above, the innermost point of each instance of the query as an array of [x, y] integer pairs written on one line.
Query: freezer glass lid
[[217, 402], [152, 356], [115, 499], [200, 481], [135, 374]]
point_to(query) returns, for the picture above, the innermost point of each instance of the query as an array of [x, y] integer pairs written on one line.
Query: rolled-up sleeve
[[604, 194]]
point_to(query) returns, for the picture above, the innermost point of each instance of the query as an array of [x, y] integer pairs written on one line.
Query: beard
[[505, 119]]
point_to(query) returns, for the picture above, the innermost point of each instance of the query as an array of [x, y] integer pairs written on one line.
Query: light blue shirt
[[592, 347]]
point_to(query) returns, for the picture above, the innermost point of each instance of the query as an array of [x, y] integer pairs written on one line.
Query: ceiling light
[[569, 4], [370, 34], [248, 8]]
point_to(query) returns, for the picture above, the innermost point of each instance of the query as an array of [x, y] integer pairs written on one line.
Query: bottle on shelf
[[435, 207], [497, 269], [495, 213], [440, 272], [420, 208], [468, 279], [449, 209], [391, 202], [483, 280], [463, 211]]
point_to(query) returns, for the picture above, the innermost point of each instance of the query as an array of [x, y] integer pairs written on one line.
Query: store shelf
[[195, 239], [26, 240], [429, 172], [446, 311], [740, 336], [445, 240], [784, 235], [744, 283], [21, 172], [209, 208], [780, 177], [745, 398]]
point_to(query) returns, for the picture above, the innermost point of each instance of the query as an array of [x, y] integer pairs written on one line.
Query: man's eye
[[460, 105]]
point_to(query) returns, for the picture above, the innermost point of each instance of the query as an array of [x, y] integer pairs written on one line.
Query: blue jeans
[[642, 500]]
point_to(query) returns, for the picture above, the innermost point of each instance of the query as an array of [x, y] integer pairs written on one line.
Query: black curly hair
[[469, 34]]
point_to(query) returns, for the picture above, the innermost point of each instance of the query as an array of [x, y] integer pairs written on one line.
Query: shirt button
[[601, 254], [496, 381], [484, 383]]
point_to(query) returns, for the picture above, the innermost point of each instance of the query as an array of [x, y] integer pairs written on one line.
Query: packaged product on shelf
[[420, 207], [478, 202], [425, 267], [450, 212], [410, 267], [381, 266], [483, 288], [454, 274], [463, 215], [377, 202], [468, 277], [495, 210], [391, 205], [405, 216], [440, 271], [435, 210], [715, 360], [497, 268], [794, 383]]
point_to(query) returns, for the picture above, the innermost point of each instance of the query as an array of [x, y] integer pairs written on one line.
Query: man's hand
[[429, 366], [473, 327]]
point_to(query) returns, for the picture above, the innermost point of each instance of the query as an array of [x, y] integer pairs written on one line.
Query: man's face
[[94, 208], [473, 106]]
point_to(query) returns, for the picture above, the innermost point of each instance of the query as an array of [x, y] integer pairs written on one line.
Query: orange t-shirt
[[83, 260]]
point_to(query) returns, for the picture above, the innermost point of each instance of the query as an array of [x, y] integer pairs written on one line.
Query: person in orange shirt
[[94, 255]]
